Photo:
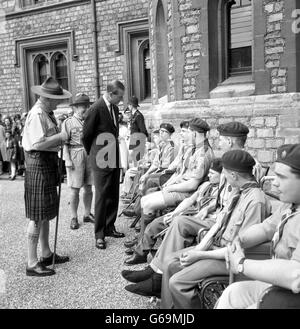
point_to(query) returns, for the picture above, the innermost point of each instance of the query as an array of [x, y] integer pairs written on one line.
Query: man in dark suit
[[138, 130], [100, 139]]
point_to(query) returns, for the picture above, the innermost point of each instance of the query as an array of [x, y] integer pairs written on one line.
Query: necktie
[[112, 113], [226, 217], [279, 231]]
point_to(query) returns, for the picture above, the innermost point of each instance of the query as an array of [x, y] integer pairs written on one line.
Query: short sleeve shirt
[[288, 246], [73, 127], [199, 164], [38, 125], [165, 156], [252, 208]]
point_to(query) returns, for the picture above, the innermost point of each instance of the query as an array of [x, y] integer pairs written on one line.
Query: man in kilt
[[41, 142]]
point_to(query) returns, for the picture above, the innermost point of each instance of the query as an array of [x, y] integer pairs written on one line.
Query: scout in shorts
[[79, 172]]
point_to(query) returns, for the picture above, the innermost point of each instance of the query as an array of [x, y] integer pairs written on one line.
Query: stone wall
[[77, 18], [272, 119], [275, 45]]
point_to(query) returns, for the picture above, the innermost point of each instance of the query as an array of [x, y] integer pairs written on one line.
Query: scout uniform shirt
[[73, 127], [288, 246], [252, 208], [199, 164], [165, 155], [38, 125], [181, 161]]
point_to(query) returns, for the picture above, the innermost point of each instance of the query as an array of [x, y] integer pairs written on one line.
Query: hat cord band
[[57, 91]]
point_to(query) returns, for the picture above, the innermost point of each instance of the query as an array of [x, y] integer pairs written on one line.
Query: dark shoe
[[39, 270], [115, 234], [74, 224], [100, 244], [131, 243], [46, 261], [12, 177], [137, 276], [89, 219], [129, 251], [150, 287], [136, 259], [129, 213]]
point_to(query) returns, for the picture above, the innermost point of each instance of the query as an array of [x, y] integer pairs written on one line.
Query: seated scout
[[283, 228], [192, 205], [186, 184], [185, 268]]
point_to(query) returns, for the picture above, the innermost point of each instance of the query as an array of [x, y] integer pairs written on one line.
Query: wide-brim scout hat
[[50, 88], [81, 99], [133, 101]]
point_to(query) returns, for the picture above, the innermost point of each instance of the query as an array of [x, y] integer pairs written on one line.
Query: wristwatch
[[240, 267]]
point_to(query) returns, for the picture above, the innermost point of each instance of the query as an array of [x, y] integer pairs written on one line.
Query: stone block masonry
[[266, 117], [275, 45]]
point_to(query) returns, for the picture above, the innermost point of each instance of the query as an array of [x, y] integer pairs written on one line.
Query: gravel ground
[[91, 280]]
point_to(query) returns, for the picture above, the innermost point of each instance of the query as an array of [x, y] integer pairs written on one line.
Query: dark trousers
[[106, 200]]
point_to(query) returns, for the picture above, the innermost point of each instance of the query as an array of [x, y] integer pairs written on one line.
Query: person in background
[[138, 131], [124, 153], [2, 147], [11, 152]]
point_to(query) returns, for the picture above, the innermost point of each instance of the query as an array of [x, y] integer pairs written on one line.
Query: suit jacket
[[137, 125], [100, 136]]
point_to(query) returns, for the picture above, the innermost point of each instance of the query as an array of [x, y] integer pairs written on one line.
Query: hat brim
[[39, 91], [81, 103]]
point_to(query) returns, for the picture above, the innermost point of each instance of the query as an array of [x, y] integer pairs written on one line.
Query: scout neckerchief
[[231, 207], [52, 118], [289, 213]]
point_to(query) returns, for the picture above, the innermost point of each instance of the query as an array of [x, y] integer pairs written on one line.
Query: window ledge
[[238, 86]]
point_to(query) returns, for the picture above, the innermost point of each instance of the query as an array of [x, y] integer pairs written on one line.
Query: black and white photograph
[[149, 157]]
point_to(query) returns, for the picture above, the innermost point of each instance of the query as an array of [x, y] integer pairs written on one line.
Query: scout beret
[[233, 129], [184, 124], [289, 154], [216, 165], [168, 127], [199, 125], [238, 160]]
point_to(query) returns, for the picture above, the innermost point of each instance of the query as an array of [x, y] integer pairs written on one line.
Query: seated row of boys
[[231, 206]]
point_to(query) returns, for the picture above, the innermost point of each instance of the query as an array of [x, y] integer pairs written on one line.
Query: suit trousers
[[181, 234], [106, 200], [180, 284]]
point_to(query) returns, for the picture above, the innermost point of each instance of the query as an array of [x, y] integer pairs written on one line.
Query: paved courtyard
[[91, 280]]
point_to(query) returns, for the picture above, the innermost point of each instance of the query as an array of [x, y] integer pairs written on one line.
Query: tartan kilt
[[41, 181]]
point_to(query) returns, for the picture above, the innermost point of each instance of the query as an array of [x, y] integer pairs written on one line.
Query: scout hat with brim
[[81, 99], [50, 88]]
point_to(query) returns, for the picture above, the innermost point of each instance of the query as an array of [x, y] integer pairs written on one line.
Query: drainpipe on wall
[[95, 47]]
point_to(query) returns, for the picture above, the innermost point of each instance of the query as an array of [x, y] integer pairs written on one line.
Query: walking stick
[[59, 193]]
